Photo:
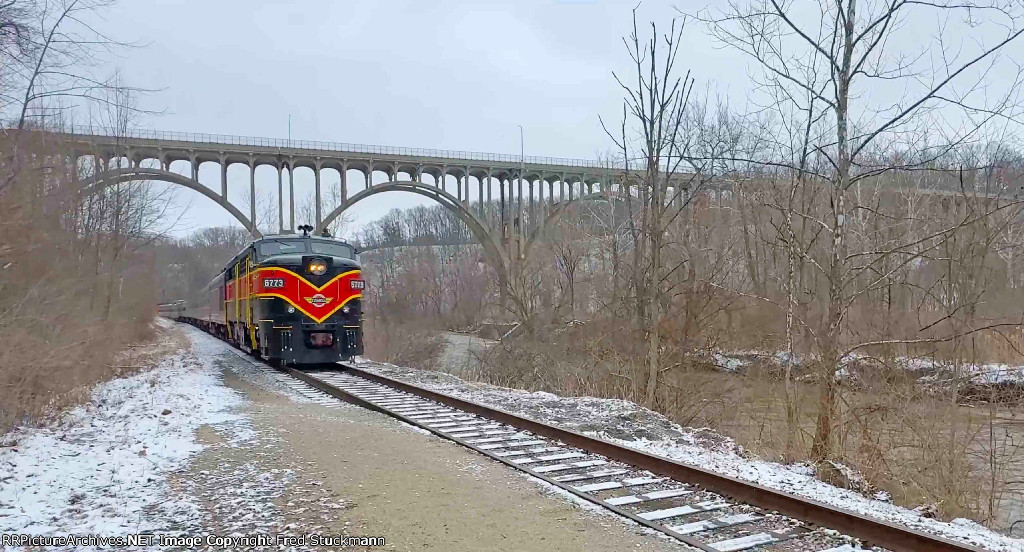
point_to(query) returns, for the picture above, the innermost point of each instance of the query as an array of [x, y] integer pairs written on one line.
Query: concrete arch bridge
[[530, 190]]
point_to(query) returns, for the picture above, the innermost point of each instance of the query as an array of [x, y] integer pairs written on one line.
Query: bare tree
[[666, 164], [66, 47], [839, 58], [570, 250]]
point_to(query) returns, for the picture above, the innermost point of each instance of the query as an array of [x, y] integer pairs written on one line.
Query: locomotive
[[290, 299]]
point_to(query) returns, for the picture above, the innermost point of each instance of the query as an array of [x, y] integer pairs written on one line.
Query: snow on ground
[[625, 423], [931, 370], [103, 467]]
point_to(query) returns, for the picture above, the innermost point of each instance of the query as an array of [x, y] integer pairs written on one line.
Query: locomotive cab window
[[333, 249], [282, 247]]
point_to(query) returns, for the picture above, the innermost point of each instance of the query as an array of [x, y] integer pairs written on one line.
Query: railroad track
[[704, 510]]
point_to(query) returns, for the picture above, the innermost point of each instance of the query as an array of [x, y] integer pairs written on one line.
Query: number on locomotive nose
[[273, 282]]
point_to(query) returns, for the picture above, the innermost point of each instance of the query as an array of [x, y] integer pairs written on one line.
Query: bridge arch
[[130, 174], [492, 248]]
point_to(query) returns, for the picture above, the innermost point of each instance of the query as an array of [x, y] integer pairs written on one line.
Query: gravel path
[[308, 468]]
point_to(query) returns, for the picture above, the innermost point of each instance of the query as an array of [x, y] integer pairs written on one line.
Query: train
[[290, 299]]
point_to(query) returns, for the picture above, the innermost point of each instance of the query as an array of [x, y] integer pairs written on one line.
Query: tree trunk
[[748, 250], [654, 286], [791, 414], [823, 445]]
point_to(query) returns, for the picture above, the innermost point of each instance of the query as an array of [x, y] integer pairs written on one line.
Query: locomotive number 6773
[[291, 299]]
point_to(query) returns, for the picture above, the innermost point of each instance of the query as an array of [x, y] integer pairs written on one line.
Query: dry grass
[[75, 293], [920, 448], [402, 344]]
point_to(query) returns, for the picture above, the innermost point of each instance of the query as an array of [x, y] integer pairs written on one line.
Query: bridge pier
[[519, 204], [252, 193], [223, 175], [280, 200], [291, 196], [490, 192], [343, 171], [540, 197], [531, 214], [317, 202]]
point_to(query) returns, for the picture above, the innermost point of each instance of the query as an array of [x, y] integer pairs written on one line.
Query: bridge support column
[[223, 176], [519, 207], [502, 221], [532, 211], [316, 178], [490, 185], [540, 200], [480, 196], [344, 181], [280, 200], [291, 195], [252, 192]]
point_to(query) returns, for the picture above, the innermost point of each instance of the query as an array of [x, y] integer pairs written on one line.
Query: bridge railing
[[343, 147]]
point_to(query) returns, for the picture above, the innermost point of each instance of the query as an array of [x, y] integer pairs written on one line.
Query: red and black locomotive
[[291, 299]]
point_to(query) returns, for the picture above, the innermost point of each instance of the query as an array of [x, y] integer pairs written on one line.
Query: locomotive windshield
[[282, 247], [286, 246], [333, 249]]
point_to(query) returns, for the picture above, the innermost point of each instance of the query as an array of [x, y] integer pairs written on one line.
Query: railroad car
[[175, 309], [290, 299]]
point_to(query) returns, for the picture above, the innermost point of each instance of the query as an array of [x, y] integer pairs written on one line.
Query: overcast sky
[[429, 74], [435, 74]]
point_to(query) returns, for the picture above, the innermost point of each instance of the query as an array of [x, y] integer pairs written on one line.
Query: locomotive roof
[[279, 237], [273, 237]]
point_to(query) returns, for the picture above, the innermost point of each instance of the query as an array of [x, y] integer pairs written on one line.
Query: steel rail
[[872, 531], [343, 395]]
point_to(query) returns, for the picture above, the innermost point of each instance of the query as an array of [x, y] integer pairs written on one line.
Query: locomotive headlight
[[318, 267], [291, 309], [346, 309]]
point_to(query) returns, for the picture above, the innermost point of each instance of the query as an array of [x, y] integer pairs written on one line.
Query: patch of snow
[[102, 468], [998, 374], [932, 370], [731, 364]]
